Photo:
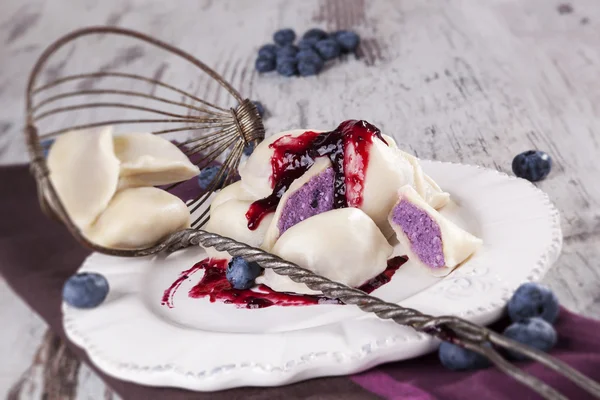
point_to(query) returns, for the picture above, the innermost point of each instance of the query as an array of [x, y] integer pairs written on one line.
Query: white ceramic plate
[[207, 346]]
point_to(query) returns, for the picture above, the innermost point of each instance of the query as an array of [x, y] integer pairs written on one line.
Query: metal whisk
[[215, 132]]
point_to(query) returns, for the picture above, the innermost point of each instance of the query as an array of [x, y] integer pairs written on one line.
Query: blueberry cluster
[[532, 309], [533, 165], [308, 56]]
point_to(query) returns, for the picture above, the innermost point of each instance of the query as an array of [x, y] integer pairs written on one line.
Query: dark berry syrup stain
[[216, 287], [348, 149]]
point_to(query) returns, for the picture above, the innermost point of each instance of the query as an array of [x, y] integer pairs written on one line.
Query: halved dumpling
[[430, 238], [309, 195], [150, 160], [256, 171], [425, 186], [229, 219], [343, 245], [85, 173], [138, 218]]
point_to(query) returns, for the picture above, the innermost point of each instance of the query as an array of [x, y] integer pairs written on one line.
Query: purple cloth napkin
[[37, 255]]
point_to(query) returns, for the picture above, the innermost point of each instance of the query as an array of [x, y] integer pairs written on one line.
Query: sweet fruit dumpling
[[428, 237], [343, 245]]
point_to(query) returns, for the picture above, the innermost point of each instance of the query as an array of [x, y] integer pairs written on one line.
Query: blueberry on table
[[328, 49], [46, 144], [534, 332], [308, 54], [347, 40], [308, 43], [310, 66], [263, 64], [85, 290], [284, 36], [533, 300], [207, 175], [532, 165], [241, 273], [249, 149], [268, 51], [259, 107], [457, 358], [287, 51], [315, 33], [287, 66]]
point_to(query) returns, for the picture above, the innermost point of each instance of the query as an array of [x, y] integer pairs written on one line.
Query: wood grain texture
[[464, 81]]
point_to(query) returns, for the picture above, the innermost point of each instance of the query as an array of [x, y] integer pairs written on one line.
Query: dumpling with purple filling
[[309, 195], [428, 237]]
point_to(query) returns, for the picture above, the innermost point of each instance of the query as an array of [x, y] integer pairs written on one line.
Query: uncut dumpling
[[139, 217], [343, 245], [85, 173], [235, 191], [424, 185], [150, 160], [430, 239]]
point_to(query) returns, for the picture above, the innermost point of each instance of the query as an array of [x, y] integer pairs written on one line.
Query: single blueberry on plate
[[259, 107], [310, 66], [287, 51], [328, 49], [284, 36], [207, 175], [532, 165], [265, 64], [315, 33], [287, 66], [85, 290], [533, 300], [457, 358], [534, 332], [268, 51], [308, 43], [347, 40], [241, 273], [46, 144]]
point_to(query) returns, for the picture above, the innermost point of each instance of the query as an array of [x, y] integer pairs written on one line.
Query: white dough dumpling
[[139, 217], [343, 245], [85, 173], [424, 185], [150, 160]]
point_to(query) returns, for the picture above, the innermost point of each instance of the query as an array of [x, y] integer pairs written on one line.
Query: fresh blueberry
[[85, 290], [310, 66], [308, 54], [284, 36], [249, 149], [287, 51], [265, 64], [316, 33], [308, 43], [287, 66], [268, 51], [534, 332], [46, 144], [259, 107], [207, 175], [241, 273], [328, 49], [532, 165], [347, 40], [533, 300], [457, 358]]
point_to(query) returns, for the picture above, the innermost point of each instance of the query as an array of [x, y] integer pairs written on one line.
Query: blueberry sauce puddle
[[215, 286], [347, 147]]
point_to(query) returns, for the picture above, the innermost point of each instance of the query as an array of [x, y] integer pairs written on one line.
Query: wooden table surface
[[464, 81]]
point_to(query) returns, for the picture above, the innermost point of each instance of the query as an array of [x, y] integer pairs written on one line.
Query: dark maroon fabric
[[37, 255]]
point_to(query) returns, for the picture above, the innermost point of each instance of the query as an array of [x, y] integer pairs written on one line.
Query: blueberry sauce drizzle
[[216, 287], [348, 149]]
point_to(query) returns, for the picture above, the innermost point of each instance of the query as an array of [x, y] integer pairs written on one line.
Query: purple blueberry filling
[[314, 197], [422, 232]]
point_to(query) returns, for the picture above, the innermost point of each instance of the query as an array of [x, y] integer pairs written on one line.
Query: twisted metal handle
[[448, 328]]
